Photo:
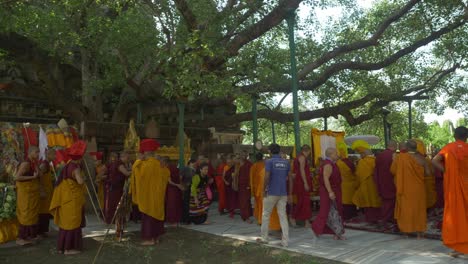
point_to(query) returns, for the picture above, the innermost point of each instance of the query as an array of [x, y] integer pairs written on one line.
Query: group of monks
[[397, 186], [42, 194], [392, 186]]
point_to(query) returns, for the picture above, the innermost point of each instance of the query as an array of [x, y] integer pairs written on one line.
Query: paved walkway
[[361, 246]]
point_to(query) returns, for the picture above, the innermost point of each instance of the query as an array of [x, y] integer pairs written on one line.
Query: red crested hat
[[148, 145], [98, 155], [77, 150]]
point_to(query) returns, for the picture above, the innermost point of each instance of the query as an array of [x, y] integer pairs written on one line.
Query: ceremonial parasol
[[371, 139]]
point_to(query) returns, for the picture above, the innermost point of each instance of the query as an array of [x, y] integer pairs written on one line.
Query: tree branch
[[187, 14], [352, 65], [275, 17], [372, 41], [377, 100]]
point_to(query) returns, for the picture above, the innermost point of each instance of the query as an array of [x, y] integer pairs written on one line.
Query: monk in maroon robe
[[330, 193], [302, 187], [232, 196], [439, 177], [244, 190], [385, 182], [118, 172], [173, 195]]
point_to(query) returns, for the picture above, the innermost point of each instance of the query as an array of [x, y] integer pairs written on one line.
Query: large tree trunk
[[90, 94]]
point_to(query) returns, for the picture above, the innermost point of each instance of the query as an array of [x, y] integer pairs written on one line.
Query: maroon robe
[[244, 190], [385, 185], [173, 198], [439, 184], [151, 228], [319, 226], [232, 196], [114, 185], [302, 210]]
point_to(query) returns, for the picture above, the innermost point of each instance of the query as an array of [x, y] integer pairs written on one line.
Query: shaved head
[[402, 145], [50, 154], [32, 149], [392, 145], [332, 154], [411, 145]]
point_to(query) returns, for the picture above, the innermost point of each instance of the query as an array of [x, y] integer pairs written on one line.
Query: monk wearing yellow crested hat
[[349, 182], [150, 192], [366, 196], [429, 180], [68, 200]]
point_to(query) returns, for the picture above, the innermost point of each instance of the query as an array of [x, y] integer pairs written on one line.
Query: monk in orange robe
[[101, 175], [28, 196], [257, 176], [302, 187], [366, 196], [455, 221], [47, 181], [150, 192], [409, 170], [68, 200], [349, 181]]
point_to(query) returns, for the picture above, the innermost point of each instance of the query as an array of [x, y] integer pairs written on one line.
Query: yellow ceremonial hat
[[342, 149], [360, 145], [421, 147]]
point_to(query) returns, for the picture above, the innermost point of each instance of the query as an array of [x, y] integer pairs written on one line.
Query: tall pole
[[273, 133], [385, 113], [139, 115], [385, 132], [181, 133], [254, 122], [291, 20], [389, 131], [325, 123], [410, 119]]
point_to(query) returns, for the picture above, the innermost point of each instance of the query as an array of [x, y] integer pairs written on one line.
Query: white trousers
[[269, 202]]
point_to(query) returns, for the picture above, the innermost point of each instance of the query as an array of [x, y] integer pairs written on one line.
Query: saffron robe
[[67, 208], [150, 191], [349, 185], [257, 180], [349, 182], [385, 184], [151, 187], [430, 185], [366, 195], [302, 210], [455, 221], [410, 207], [47, 183], [244, 190], [320, 223], [27, 204]]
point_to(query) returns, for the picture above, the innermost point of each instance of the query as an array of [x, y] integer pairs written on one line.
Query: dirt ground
[[178, 246]]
